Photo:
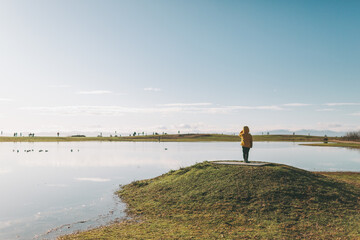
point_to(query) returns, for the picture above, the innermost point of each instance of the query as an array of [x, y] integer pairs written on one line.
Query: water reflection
[[70, 186]]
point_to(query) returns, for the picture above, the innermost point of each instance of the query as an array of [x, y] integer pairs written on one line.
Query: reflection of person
[[246, 142]]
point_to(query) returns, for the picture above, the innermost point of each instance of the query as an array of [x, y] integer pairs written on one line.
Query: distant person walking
[[246, 142]]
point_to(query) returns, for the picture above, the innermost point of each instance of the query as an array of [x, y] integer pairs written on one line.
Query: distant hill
[[312, 132]]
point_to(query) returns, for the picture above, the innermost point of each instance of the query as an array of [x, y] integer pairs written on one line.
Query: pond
[[50, 189]]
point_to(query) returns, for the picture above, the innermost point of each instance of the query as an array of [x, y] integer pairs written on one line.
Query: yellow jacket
[[246, 138]]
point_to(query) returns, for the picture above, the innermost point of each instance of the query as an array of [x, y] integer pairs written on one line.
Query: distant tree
[[134, 134], [326, 139], [352, 136]]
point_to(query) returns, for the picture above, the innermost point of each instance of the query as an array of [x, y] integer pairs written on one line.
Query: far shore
[[171, 138], [306, 140]]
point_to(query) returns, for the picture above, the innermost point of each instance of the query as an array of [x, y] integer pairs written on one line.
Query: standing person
[[246, 142]]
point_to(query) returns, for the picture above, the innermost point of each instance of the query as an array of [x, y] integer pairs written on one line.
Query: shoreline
[[172, 138], [304, 140]]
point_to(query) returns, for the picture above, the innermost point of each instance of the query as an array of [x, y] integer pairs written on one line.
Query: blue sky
[[189, 66]]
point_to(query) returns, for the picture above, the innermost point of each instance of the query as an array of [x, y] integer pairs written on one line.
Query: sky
[[188, 66]]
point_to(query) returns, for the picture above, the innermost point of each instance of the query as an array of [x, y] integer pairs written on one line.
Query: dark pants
[[246, 153]]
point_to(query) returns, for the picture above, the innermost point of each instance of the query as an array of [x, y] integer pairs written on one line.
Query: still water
[[50, 189]]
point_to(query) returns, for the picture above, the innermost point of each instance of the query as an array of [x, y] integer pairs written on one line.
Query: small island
[[223, 201]]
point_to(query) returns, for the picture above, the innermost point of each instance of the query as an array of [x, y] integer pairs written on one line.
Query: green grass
[[169, 138], [185, 138], [210, 201], [290, 138], [50, 139], [149, 138], [348, 177]]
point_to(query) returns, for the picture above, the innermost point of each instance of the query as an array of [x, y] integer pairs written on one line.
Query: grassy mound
[[209, 201]]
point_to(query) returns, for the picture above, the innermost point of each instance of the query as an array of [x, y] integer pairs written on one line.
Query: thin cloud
[[355, 114], [57, 185], [93, 179], [296, 104], [60, 86], [342, 104], [185, 104], [326, 110], [119, 110], [269, 107], [96, 92], [231, 109], [6, 100], [193, 127], [151, 89], [3, 170], [98, 110]]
